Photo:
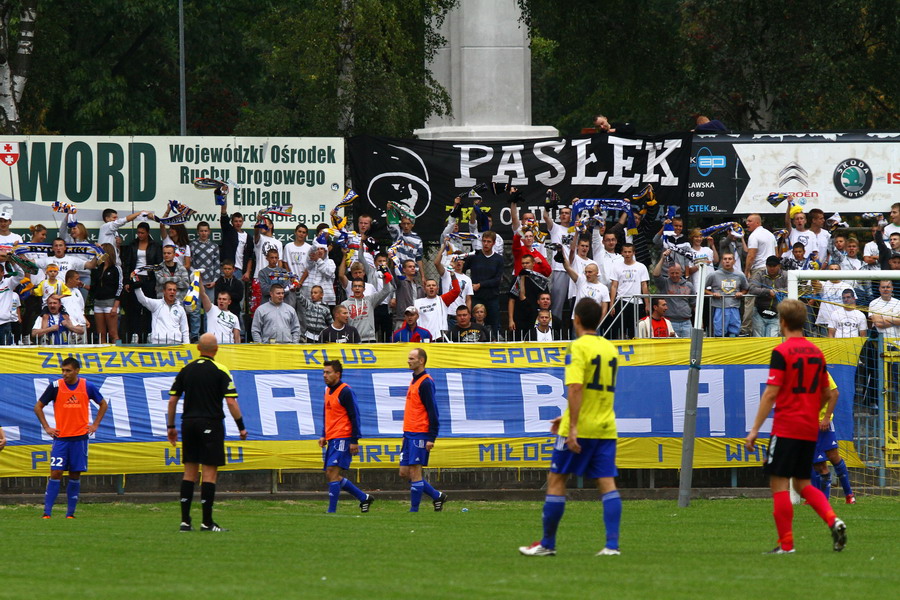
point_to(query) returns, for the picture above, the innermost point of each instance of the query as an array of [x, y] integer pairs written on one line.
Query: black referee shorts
[[789, 457], [203, 441]]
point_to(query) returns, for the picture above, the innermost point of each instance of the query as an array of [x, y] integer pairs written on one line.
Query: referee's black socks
[[187, 496], [207, 497]]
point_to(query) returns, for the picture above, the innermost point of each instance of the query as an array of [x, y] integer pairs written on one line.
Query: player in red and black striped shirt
[[798, 389]]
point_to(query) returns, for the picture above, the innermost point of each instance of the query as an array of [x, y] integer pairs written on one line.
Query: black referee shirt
[[204, 383]]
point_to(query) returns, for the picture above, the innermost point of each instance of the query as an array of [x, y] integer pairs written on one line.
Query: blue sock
[[50, 495], [351, 489], [415, 494], [334, 491], [72, 494], [430, 490], [826, 488], [815, 480], [554, 507], [612, 516], [843, 476]]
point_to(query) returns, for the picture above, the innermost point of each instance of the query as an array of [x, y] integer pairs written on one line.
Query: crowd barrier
[[495, 402]]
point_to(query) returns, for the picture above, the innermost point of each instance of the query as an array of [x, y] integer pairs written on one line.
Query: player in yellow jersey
[[827, 450], [586, 442]]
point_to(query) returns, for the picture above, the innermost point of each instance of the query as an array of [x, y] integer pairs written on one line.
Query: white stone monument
[[486, 69]]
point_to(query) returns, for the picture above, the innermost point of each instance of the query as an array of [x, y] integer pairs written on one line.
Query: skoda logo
[[852, 178]]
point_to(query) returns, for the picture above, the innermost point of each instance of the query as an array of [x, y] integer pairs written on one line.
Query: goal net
[[851, 322]]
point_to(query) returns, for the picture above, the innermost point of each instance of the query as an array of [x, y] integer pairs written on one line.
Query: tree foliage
[[805, 64], [344, 67]]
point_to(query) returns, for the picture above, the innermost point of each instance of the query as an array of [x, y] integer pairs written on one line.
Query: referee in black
[[204, 383]]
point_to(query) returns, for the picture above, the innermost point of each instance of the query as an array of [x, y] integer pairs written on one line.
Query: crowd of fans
[[379, 286]]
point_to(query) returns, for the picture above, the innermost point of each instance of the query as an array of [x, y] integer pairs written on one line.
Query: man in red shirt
[[798, 389], [656, 325], [340, 436]]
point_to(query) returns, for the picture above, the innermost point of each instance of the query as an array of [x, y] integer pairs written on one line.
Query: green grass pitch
[[284, 549]]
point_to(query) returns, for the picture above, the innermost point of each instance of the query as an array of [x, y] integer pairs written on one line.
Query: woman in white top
[[695, 245]]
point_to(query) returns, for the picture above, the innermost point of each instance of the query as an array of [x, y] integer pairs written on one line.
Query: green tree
[[14, 70], [347, 67], [754, 64]]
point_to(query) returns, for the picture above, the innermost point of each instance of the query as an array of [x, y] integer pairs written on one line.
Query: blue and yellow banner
[[495, 402]]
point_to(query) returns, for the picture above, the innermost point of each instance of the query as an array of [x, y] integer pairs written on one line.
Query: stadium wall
[[494, 400]]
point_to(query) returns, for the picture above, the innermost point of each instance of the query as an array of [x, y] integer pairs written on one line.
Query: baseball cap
[[6, 212], [411, 310]]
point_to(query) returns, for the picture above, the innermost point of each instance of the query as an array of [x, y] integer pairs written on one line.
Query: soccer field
[[285, 549]]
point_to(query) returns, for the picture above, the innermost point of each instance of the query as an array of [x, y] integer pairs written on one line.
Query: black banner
[[425, 175]]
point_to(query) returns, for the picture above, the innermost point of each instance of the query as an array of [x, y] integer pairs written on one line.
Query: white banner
[[841, 177], [143, 173]]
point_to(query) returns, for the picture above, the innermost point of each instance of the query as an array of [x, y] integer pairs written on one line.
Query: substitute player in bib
[[204, 383], [586, 432], [798, 388], [420, 429], [71, 397], [340, 436], [827, 450]]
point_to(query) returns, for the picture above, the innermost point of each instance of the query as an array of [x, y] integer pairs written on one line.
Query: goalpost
[[875, 394]]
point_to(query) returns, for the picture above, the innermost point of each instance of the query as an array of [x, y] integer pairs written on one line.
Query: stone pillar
[[486, 69]]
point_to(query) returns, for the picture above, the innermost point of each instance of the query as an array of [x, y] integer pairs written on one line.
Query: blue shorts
[[597, 458], [827, 441], [413, 451], [69, 455], [337, 453]]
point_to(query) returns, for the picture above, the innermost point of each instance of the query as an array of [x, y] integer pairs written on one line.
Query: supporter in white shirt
[[578, 260], [168, 321], [111, 224], [73, 302], [177, 235], [821, 237], [894, 225], [588, 285], [296, 252], [320, 271], [66, 262], [560, 234], [7, 238], [262, 243], [455, 262], [629, 281], [695, 245], [221, 322], [884, 311], [605, 254], [761, 245], [359, 271], [433, 308], [795, 222], [830, 294], [848, 322]]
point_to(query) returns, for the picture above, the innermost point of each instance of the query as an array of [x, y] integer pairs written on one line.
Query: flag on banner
[[9, 153], [192, 298]]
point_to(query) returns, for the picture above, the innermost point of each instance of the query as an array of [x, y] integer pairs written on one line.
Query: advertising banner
[[850, 172], [425, 175], [133, 173], [495, 403]]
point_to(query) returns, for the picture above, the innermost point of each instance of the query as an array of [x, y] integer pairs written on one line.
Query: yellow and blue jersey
[[592, 361], [831, 386]]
